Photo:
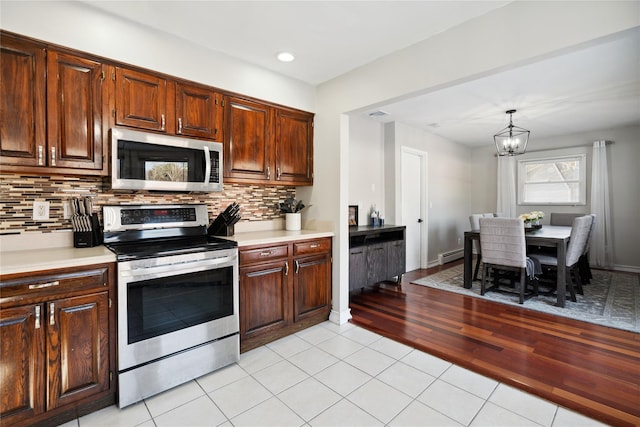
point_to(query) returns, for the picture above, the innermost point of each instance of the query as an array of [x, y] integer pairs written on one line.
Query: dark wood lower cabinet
[[57, 347], [376, 254], [284, 288]]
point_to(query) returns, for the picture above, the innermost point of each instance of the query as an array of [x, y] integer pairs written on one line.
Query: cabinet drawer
[[250, 256], [52, 284], [312, 247]]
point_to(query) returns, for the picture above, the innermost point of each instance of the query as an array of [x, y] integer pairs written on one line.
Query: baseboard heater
[[450, 256]]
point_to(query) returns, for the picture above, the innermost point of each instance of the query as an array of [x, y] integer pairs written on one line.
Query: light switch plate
[[40, 211]]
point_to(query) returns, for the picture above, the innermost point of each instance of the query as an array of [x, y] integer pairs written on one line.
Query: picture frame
[[353, 215]]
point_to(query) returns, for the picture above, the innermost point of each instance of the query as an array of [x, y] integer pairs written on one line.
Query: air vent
[[377, 113]]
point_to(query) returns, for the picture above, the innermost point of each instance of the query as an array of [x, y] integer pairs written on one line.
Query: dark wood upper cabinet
[[198, 112], [248, 146], [22, 102], [265, 144], [294, 147], [74, 111], [141, 100], [57, 106], [51, 110]]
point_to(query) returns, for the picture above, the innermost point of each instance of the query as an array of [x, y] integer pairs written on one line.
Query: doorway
[[414, 206]]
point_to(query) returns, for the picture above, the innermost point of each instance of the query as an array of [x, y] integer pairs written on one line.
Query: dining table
[[548, 235]]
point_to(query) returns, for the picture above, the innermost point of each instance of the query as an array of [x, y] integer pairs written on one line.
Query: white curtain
[[506, 204], [600, 246]]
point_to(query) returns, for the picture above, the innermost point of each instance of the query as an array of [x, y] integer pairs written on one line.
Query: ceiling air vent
[[377, 113]]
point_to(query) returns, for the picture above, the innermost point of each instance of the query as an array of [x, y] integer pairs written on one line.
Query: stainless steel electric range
[[177, 297]]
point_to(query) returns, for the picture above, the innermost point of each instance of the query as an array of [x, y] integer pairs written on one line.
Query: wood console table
[[376, 254]]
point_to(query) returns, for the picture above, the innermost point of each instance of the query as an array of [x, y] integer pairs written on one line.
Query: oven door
[[173, 303]]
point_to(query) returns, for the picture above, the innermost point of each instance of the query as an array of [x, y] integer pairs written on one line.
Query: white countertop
[[34, 251], [23, 261], [275, 236]]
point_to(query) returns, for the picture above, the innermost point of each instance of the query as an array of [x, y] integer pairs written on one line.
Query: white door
[[414, 201]]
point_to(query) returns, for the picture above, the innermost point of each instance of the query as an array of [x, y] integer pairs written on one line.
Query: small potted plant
[[291, 209]]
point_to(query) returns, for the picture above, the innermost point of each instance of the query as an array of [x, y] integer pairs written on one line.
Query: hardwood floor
[[588, 368]]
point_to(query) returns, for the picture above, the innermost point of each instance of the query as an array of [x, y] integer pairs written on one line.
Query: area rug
[[611, 299]]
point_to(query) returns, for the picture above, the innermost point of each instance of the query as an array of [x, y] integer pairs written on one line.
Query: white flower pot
[[292, 221]]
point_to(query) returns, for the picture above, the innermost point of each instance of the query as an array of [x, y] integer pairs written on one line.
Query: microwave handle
[[207, 165]]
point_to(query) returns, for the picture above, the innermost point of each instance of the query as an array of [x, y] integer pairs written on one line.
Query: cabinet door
[[357, 268], [22, 103], [248, 140], [376, 263], [22, 388], [264, 298], [77, 348], [312, 286], [294, 147], [197, 112], [396, 256], [141, 100], [74, 111]]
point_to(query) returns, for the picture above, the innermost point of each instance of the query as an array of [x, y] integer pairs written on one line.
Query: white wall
[[624, 178], [366, 166]]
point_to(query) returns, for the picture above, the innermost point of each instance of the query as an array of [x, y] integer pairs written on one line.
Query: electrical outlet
[[40, 211], [459, 240], [66, 209]]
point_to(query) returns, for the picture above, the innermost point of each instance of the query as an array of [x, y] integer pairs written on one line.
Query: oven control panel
[[140, 217], [157, 216]]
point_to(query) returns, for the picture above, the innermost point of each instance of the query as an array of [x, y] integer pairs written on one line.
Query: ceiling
[[592, 88]]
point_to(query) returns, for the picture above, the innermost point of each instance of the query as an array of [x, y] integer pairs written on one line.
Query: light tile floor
[[330, 375]]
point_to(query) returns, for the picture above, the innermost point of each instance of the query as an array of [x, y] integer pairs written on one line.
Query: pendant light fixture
[[512, 140]]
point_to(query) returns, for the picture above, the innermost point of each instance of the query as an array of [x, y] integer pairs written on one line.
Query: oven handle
[[179, 266]]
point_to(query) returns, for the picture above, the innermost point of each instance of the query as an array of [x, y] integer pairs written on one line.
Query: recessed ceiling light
[[285, 57]]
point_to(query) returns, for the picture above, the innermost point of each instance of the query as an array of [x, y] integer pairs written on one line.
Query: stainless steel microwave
[[150, 161]]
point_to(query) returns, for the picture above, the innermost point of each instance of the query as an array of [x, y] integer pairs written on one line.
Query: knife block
[[225, 231], [89, 239]]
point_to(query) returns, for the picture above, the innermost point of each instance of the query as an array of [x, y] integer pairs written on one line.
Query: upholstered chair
[[580, 230], [474, 221], [504, 249]]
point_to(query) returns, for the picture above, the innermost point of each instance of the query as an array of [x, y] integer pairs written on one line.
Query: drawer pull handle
[[52, 312], [40, 155], [179, 124], [315, 245], [162, 122], [265, 253], [44, 285], [37, 317], [53, 156], [286, 268], [297, 266]]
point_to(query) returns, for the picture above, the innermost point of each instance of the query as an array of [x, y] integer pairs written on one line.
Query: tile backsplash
[[18, 192]]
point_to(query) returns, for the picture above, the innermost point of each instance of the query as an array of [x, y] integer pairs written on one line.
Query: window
[[552, 181]]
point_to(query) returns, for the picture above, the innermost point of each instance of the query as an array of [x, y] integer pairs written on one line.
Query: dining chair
[[474, 221], [504, 249], [583, 262], [580, 229]]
